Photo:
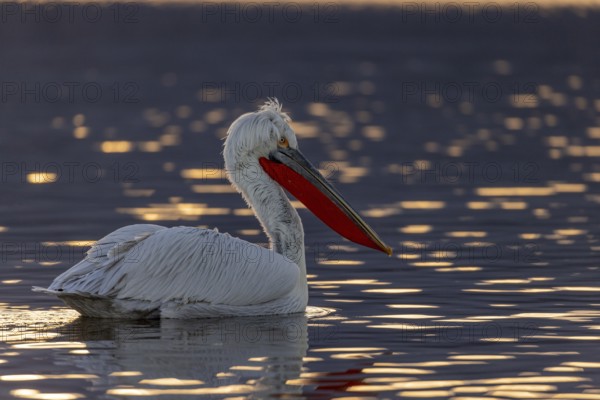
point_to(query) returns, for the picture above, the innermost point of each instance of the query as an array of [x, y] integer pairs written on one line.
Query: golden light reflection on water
[[561, 187], [347, 349], [529, 290], [341, 262], [49, 345], [393, 290], [125, 373], [11, 281], [578, 288], [349, 282], [416, 229], [582, 364], [203, 173], [38, 395], [460, 269], [517, 387], [249, 232], [116, 146], [306, 129], [434, 264], [481, 357], [405, 316], [381, 212], [173, 212], [411, 306], [19, 378], [583, 151], [398, 371], [221, 390], [37, 178], [74, 243], [407, 327], [213, 189], [467, 234], [171, 382], [497, 204], [151, 146], [422, 205], [515, 191], [24, 328], [243, 212], [408, 256], [538, 290], [570, 232], [513, 205], [479, 205]]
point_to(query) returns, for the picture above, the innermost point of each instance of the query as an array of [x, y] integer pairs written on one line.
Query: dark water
[[471, 147]]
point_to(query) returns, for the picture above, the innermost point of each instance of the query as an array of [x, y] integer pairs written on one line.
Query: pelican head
[[261, 150]]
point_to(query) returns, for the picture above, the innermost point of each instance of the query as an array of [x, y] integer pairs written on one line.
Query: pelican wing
[[182, 264], [86, 276]]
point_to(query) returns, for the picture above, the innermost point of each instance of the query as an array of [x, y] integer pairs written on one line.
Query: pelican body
[[150, 271]]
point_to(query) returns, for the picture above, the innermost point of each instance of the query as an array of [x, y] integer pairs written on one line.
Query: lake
[[469, 142]]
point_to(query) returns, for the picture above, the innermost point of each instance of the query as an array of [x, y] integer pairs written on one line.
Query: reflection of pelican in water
[[149, 271], [252, 356]]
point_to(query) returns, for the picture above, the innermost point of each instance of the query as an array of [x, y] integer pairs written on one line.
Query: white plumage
[[149, 271]]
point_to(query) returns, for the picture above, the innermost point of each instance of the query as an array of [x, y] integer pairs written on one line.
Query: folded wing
[[183, 264]]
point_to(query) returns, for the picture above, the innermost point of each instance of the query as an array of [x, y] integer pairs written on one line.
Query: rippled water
[[491, 206]]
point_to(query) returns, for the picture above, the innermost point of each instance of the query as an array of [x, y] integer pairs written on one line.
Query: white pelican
[[149, 271]]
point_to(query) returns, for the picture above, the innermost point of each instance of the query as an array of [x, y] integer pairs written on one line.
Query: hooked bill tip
[[388, 250]]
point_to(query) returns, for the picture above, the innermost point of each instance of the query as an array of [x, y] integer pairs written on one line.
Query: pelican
[[148, 271]]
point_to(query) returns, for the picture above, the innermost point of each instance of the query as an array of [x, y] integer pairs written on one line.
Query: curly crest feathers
[[273, 105]]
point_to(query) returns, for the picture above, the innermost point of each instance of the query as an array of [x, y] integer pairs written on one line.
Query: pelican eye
[[283, 142]]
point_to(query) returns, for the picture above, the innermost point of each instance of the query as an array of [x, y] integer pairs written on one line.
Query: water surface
[[490, 204]]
